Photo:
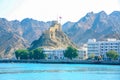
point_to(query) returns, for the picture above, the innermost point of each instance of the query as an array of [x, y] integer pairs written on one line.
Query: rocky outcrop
[[53, 38]]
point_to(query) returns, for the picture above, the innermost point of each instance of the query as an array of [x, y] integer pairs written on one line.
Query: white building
[[93, 47], [54, 53], [101, 47], [83, 52], [59, 54]]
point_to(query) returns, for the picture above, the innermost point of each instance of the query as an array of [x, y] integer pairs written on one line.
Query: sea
[[33, 71]]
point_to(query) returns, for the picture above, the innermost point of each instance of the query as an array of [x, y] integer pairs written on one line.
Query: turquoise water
[[20, 71]]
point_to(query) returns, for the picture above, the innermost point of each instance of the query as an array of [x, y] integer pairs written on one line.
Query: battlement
[[54, 28]]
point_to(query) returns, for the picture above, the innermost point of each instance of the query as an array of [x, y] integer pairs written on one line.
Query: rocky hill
[[94, 25], [29, 29], [19, 35], [9, 40], [53, 38], [32, 29]]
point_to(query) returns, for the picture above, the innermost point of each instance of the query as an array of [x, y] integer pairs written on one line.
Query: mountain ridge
[[95, 25], [17, 34]]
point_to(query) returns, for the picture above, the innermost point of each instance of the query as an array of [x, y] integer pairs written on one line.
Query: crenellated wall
[[53, 29]]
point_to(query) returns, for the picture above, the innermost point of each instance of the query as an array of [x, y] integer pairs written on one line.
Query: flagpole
[[60, 29]]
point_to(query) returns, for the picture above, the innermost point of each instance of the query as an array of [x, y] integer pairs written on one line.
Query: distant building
[[54, 53], [100, 48], [59, 54], [93, 47], [83, 52]]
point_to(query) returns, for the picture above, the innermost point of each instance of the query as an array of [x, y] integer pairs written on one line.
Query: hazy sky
[[47, 10]]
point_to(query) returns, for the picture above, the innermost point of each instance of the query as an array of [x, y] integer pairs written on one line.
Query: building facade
[[54, 53], [100, 48], [58, 54], [83, 52]]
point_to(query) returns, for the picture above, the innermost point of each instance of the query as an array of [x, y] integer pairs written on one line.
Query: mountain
[[53, 38], [19, 35], [9, 40], [32, 29], [94, 25], [29, 29]]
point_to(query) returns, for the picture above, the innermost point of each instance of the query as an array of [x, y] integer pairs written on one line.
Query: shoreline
[[62, 62]]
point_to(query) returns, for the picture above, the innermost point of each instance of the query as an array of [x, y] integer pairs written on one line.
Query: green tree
[[31, 55], [38, 54], [22, 54], [112, 54], [71, 52], [18, 53]]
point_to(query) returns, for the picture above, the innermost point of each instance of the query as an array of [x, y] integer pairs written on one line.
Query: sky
[[48, 10]]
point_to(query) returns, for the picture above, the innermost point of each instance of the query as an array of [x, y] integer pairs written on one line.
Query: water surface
[[20, 71]]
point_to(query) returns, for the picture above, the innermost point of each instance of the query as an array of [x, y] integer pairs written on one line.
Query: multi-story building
[[54, 53], [102, 47], [93, 47], [59, 54], [83, 52]]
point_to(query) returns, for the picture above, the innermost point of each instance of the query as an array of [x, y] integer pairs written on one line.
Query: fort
[[53, 38], [54, 28]]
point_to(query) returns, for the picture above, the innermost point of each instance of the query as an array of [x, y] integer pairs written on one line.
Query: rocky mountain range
[[94, 25], [20, 34], [30, 29]]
